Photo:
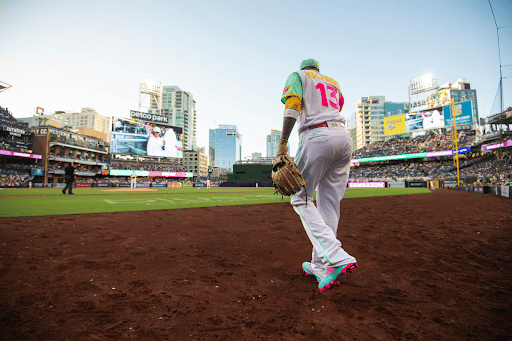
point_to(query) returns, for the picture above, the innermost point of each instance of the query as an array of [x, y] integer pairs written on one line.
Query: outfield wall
[[504, 191]]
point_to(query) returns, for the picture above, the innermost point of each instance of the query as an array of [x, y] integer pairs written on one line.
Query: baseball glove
[[286, 176]]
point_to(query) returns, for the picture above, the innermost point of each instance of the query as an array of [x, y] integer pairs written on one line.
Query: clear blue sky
[[235, 56]]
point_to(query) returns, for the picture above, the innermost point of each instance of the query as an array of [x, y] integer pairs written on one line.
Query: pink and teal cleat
[[307, 268], [333, 275]]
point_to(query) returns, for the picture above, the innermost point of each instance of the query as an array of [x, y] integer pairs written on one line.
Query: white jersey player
[[323, 157]]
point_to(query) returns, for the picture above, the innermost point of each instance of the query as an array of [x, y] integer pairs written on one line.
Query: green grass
[[40, 202]]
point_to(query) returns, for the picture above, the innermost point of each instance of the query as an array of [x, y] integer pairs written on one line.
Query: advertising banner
[[394, 125], [396, 184], [136, 137], [478, 189], [153, 174], [31, 156], [464, 114], [505, 191], [143, 116], [83, 184], [391, 157], [366, 185], [102, 185], [497, 145], [416, 184]]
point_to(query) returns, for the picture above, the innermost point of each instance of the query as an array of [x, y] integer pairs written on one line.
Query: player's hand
[[282, 149]]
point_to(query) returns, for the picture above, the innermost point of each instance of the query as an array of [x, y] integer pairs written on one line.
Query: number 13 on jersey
[[333, 94]]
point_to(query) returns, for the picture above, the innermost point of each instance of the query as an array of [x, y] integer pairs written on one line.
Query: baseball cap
[[156, 130], [309, 63]]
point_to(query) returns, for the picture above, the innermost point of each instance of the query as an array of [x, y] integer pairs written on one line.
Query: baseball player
[[323, 158], [133, 180]]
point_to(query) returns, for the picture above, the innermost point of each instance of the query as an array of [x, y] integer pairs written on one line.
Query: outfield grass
[[39, 201]]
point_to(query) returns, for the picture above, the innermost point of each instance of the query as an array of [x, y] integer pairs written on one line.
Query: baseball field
[[225, 264]]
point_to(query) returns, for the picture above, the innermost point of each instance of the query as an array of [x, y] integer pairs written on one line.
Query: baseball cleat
[[307, 268], [333, 275]]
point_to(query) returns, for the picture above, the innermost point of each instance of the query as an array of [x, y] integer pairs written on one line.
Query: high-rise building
[[369, 120], [179, 106], [225, 146], [351, 127], [195, 162], [273, 142]]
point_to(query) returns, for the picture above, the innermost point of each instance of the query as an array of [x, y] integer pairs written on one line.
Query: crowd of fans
[[423, 143], [148, 167], [13, 175], [487, 169], [8, 119]]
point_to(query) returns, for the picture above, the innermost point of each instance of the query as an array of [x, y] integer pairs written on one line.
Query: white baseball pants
[[323, 158]]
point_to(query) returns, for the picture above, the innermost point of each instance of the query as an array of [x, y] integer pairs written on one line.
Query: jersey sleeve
[[293, 87]]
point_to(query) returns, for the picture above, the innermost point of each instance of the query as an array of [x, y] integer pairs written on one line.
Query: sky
[[235, 56]]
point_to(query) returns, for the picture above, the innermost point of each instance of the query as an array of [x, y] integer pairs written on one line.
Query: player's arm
[[342, 101], [292, 98], [292, 111]]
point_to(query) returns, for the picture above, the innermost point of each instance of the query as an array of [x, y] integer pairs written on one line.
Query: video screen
[[424, 120], [136, 137]]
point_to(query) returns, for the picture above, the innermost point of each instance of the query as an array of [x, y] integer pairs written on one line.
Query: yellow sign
[[394, 125]]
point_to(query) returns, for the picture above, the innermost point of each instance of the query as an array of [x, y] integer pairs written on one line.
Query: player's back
[[321, 99]]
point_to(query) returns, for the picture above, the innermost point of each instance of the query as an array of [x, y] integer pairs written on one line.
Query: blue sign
[[464, 114], [464, 150], [37, 171]]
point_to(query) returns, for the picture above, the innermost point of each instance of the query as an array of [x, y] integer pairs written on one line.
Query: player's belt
[[330, 124]]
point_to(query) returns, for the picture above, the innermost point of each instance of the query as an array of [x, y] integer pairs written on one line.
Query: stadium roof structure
[[502, 118], [4, 86]]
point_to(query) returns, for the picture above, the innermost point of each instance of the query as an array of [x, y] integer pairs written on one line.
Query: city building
[[256, 156], [351, 127], [369, 120], [225, 146], [87, 122], [179, 106], [59, 147], [273, 143], [196, 163]]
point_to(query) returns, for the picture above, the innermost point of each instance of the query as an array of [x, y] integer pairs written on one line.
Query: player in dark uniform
[[70, 178]]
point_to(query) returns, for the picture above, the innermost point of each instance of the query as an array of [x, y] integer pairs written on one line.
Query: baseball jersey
[[320, 96]]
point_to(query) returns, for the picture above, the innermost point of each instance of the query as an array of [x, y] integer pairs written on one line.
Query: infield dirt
[[431, 267]]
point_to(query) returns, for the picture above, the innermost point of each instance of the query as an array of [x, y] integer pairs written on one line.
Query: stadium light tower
[[422, 84], [154, 90]]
